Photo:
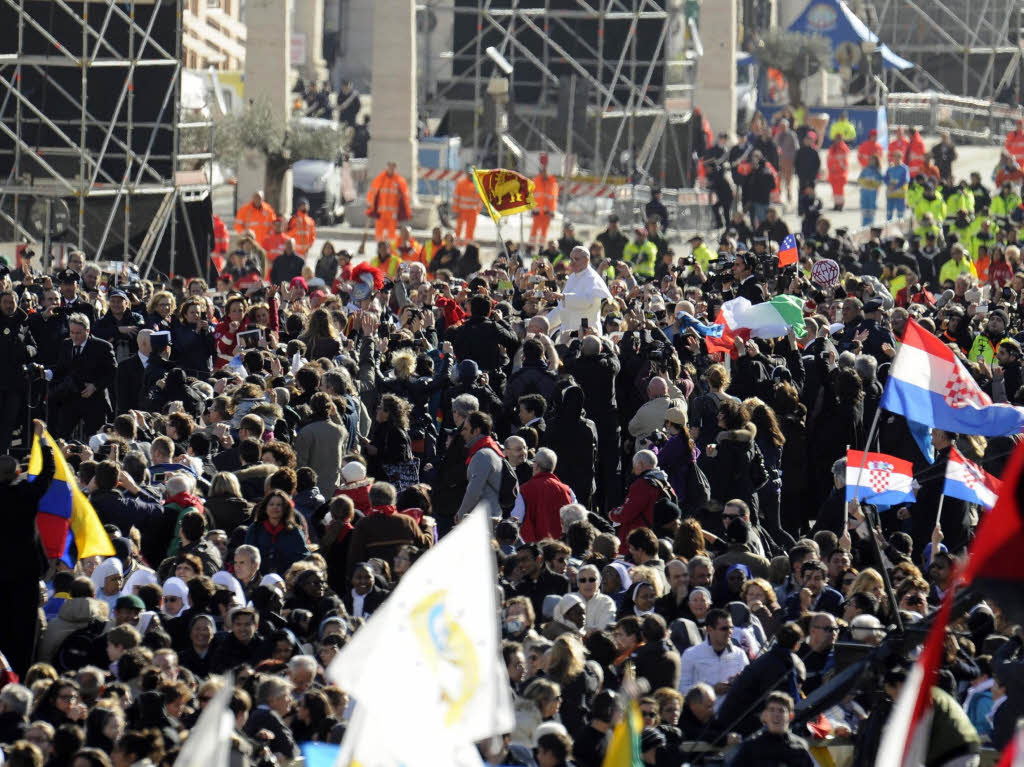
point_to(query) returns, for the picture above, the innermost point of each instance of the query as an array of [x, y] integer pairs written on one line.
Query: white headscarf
[[228, 581], [106, 568], [141, 577], [176, 587]]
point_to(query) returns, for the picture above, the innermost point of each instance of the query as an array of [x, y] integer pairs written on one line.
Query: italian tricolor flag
[[769, 319]]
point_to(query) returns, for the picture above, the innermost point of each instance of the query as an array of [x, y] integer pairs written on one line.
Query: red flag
[[1013, 756], [908, 730], [995, 566]]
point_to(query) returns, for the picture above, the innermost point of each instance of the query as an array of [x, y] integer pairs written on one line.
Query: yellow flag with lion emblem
[[504, 192]]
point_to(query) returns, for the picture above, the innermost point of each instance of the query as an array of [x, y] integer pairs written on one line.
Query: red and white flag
[[906, 734], [1013, 756]]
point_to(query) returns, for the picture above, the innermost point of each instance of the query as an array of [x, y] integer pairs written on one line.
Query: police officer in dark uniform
[[71, 299]]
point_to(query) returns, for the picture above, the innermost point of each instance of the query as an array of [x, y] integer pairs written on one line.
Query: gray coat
[[321, 446], [484, 483]]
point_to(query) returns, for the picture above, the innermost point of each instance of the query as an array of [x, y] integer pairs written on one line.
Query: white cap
[[353, 471]]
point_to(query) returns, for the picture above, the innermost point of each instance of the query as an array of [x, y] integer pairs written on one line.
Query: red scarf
[[480, 444], [343, 531], [274, 530], [185, 500], [390, 509]]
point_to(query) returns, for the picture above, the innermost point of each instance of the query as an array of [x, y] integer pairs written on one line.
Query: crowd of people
[[269, 457]]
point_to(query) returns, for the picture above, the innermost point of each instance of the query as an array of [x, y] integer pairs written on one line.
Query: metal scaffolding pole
[[963, 47], [89, 139], [596, 41]]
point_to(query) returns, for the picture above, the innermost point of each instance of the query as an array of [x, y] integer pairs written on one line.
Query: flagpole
[[867, 447], [860, 471], [938, 514]]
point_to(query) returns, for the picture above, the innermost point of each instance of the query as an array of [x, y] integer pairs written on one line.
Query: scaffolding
[[606, 83], [969, 48], [80, 165]]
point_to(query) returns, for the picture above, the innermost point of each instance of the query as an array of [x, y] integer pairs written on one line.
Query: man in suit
[[85, 370], [815, 594], [139, 372]]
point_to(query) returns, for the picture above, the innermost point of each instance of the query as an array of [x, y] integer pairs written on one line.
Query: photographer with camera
[[744, 282]]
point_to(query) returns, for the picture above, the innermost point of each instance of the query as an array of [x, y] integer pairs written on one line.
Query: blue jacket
[[279, 552]]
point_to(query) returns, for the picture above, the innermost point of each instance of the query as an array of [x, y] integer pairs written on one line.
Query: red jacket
[[543, 495], [637, 511], [359, 492]]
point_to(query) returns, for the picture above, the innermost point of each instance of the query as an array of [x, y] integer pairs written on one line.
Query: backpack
[[75, 650], [509, 489]]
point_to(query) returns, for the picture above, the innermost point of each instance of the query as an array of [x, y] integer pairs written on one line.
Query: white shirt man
[[581, 297], [715, 661]]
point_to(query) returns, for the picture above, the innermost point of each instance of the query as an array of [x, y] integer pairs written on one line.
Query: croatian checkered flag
[[877, 478]]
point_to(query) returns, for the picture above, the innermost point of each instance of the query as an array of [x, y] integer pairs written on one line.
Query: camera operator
[[744, 283], [17, 349]]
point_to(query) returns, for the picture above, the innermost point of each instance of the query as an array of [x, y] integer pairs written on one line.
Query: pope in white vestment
[[581, 297]]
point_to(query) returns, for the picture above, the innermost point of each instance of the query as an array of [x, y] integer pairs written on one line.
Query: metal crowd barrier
[[967, 120]]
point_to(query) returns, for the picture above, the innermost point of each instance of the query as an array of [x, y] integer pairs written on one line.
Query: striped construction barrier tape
[[573, 188]]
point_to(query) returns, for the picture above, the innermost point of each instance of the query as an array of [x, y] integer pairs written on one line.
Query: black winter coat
[[191, 350], [478, 339], [17, 348], [573, 437], [729, 472], [531, 378], [596, 377]]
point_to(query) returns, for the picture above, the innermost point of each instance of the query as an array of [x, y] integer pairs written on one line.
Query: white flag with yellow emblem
[[434, 645]]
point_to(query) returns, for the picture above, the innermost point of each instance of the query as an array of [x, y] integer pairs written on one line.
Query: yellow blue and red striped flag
[[67, 522]]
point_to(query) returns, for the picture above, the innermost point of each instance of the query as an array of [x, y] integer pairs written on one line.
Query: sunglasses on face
[[587, 580]]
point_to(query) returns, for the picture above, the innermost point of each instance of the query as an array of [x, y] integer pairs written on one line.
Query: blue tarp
[[834, 19]]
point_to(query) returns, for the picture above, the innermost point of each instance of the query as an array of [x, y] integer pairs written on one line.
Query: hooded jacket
[[729, 471], [74, 614], [571, 434]]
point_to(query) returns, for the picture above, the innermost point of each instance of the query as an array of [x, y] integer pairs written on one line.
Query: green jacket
[[982, 348], [642, 258], [934, 206], [704, 255], [953, 269], [1003, 206], [959, 201], [952, 732]]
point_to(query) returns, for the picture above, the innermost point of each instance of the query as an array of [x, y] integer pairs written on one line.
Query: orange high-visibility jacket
[[260, 220], [465, 200], [389, 198], [303, 229], [1015, 144], [838, 161], [866, 150], [545, 192], [220, 235], [408, 250]]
